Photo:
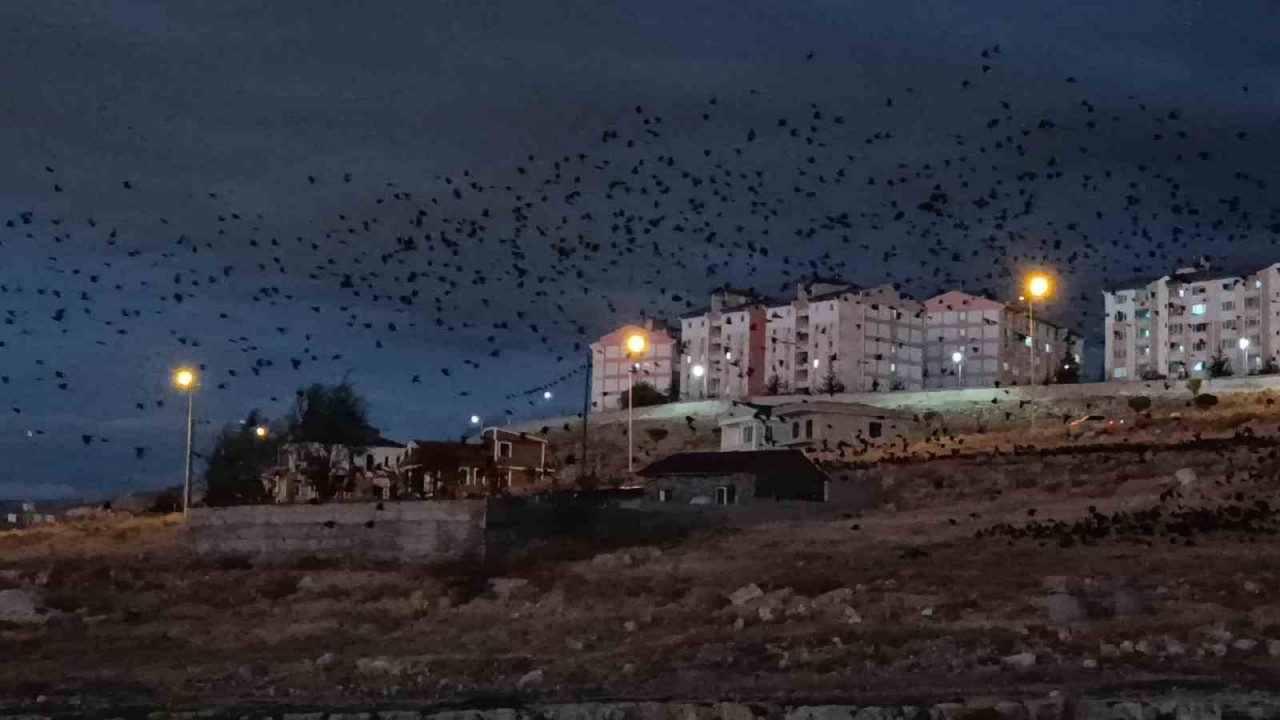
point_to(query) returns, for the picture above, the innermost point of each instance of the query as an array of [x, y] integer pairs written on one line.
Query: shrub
[[1205, 401], [1140, 404]]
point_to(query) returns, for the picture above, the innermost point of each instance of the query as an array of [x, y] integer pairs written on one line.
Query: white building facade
[[990, 340], [722, 349], [1173, 326], [835, 335]]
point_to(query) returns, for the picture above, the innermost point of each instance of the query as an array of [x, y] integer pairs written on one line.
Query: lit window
[[1027, 341], [1121, 372], [1198, 367], [893, 367], [748, 435], [1198, 309], [1048, 347], [1257, 283]]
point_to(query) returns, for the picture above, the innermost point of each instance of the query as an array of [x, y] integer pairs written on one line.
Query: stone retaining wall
[[1055, 706], [409, 531]]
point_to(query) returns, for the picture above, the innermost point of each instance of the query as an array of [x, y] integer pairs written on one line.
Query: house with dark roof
[[712, 479]]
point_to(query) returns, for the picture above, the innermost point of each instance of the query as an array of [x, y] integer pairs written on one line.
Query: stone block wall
[[405, 531]]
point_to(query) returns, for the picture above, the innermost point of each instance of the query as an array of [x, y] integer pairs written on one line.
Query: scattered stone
[[574, 644], [1252, 587], [1020, 661], [766, 613], [1273, 648], [1219, 649], [1107, 650], [1065, 609], [1056, 583], [1089, 664], [508, 588], [739, 624], [746, 594], [1174, 648], [1126, 647], [530, 679], [630, 626], [927, 612], [1245, 644], [22, 607], [1185, 477], [326, 660], [851, 616]]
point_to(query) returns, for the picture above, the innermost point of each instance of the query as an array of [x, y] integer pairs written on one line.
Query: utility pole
[[586, 413]]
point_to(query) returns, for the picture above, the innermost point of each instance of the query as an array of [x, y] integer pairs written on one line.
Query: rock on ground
[[22, 607]]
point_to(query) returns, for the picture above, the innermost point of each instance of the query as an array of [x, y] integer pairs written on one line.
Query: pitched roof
[[791, 463]]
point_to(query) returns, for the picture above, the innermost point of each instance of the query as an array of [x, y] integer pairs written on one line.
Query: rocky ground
[[981, 574]]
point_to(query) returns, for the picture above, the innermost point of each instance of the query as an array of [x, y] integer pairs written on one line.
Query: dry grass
[[938, 607]]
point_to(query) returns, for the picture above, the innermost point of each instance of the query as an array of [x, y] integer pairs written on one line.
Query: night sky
[[391, 191]]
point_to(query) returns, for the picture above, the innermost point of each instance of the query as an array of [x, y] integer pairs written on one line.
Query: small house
[[734, 478], [818, 426]]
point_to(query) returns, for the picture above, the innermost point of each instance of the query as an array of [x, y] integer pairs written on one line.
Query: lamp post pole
[[186, 483], [631, 399]]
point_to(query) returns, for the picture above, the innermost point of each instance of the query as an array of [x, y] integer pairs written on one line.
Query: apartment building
[[612, 365], [992, 340], [1174, 325], [836, 335], [722, 347]]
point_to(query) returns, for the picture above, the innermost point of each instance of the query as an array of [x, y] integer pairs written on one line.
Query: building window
[[368, 462], [748, 435], [795, 430], [1144, 333], [1027, 341], [1227, 285], [875, 429], [1143, 314], [808, 428], [1120, 373], [1199, 327], [1120, 316], [1257, 283], [1229, 305], [664, 495], [504, 449], [1198, 309], [1198, 367], [1174, 329], [726, 495]]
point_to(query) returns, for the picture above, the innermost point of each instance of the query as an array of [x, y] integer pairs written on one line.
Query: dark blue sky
[[217, 113]]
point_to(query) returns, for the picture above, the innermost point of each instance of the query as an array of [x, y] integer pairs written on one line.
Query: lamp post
[[1037, 288], [635, 345], [957, 357], [699, 371], [185, 380], [1244, 349]]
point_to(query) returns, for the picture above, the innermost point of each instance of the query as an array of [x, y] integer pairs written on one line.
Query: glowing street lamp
[[546, 395], [475, 419], [635, 344], [1244, 349], [184, 379], [957, 357], [1038, 288], [260, 432]]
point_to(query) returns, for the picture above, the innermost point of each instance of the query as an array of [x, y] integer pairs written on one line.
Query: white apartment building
[[866, 340], [1173, 325], [722, 347], [612, 366], [991, 338]]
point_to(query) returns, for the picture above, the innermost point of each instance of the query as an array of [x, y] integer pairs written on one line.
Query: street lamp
[[1244, 349], [1038, 288], [260, 432], [957, 357], [184, 379], [635, 344], [546, 395], [699, 371], [475, 419]]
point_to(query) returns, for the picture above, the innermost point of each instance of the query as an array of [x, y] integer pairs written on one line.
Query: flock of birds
[[492, 267]]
